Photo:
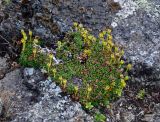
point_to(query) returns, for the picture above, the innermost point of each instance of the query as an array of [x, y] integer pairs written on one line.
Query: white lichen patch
[[144, 4], [149, 6], [128, 8]]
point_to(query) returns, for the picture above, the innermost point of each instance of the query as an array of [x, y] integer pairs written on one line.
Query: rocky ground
[[136, 27], [28, 96]]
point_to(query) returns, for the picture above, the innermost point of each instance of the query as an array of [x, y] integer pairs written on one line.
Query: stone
[[127, 117], [156, 117], [148, 118], [2, 74], [138, 32], [37, 99], [1, 107], [53, 107], [28, 71], [3, 64]]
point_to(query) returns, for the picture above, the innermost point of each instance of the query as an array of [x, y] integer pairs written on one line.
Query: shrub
[[32, 55], [93, 65], [90, 69]]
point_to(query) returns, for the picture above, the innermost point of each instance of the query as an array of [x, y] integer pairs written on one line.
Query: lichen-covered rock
[[28, 72], [137, 28], [37, 101], [127, 117], [153, 117], [51, 105]]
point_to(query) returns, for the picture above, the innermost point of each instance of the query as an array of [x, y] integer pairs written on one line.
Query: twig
[[11, 49], [7, 41]]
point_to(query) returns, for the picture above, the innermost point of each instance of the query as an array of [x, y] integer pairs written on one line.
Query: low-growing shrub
[[90, 69], [93, 65]]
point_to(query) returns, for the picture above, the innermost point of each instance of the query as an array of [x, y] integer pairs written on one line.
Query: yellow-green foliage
[[92, 70], [141, 94], [30, 54], [96, 62]]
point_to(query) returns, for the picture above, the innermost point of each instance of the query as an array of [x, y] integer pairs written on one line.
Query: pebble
[[1, 107], [2, 74], [28, 71]]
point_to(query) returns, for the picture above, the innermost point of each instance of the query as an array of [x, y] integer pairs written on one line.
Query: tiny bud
[[89, 89], [121, 76], [116, 49], [80, 25], [123, 83], [112, 56], [54, 70], [50, 55], [90, 37], [34, 50], [126, 78], [30, 32], [109, 31], [121, 62], [104, 32], [101, 35], [35, 41], [76, 89], [60, 78], [23, 41], [129, 67], [75, 24]]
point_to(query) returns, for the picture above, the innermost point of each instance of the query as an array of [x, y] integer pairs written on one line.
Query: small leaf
[[100, 117], [89, 105]]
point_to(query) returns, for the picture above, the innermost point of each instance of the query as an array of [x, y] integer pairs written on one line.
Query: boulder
[[137, 28]]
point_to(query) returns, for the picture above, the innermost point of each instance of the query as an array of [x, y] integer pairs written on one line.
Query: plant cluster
[[32, 54], [141, 94], [28, 53], [97, 64], [90, 69]]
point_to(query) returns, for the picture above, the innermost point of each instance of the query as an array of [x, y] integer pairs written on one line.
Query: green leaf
[[89, 105], [106, 102], [99, 117]]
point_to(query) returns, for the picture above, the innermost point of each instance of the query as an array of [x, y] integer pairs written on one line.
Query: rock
[[148, 118], [3, 64], [49, 20], [15, 96], [28, 71], [3, 67], [138, 32], [130, 108], [118, 116], [127, 117], [37, 99], [1, 107], [53, 107], [31, 78], [156, 117], [2, 74]]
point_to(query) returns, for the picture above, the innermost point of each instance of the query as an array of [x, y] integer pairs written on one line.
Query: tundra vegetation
[[88, 68]]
